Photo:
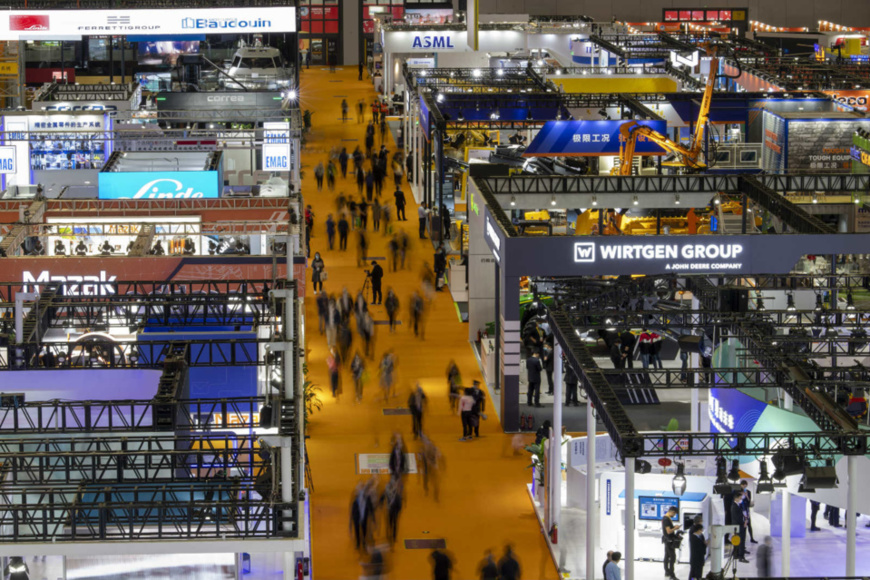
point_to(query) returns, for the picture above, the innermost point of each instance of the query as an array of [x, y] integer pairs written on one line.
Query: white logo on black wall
[[584, 252]]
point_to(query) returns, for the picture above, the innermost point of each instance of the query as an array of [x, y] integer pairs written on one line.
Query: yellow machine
[[688, 157]]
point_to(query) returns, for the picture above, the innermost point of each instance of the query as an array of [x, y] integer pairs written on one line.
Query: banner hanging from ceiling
[[584, 138]]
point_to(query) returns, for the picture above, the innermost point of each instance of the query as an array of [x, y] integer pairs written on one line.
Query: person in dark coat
[[440, 266], [508, 567], [571, 387], [400, 205], [343, 229], [764, 558], [442, 565], [377, 274], [697, 552], [616, 355], [391, 303], [342, 162], [362, 511], [488, 569], [330, 231], [479, 406], [392, 502], [548, 366], [747, 509], [417, 404], [398, 461], [814, 511], [628, 340], [738, 519], [669, 537], [534, 368]]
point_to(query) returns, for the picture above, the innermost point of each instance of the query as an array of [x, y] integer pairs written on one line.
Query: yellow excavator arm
[[689, 157]]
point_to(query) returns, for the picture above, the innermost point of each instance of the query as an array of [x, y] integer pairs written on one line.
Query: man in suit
[[814, 511], [738, 519], [747, 509], [534, 368], [697, 552]]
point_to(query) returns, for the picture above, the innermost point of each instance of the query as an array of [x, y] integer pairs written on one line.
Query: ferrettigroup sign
[[63, 24]]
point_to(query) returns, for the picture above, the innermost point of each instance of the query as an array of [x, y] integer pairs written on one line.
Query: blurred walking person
[[392, 502], [322, 311], [487, 569], [430, 465], [466, 403], [508, 567], [477, 410], [398, 460], [391, 303], [317, 272], [343, 110], [417, 405], [330, 231], [442, 565], [362, 512], [318, 175], [387, 369], [343, 229], [358, 368], [332, 364], [417, 306], [454, 380], [342, 162]]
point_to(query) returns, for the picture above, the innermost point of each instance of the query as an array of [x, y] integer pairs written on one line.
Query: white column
[[696, 414], [851, 515], [629, 518], [289, 565], [786, 534], [556, 443], [591, 511]]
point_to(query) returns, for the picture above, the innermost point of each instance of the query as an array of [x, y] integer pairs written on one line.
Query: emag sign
[[159, 185]]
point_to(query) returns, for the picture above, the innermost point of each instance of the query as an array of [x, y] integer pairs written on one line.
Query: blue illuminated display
[[159, 185]]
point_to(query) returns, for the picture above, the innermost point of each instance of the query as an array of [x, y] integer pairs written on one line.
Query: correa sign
[[584, 138], [49, 24], [159, 185]]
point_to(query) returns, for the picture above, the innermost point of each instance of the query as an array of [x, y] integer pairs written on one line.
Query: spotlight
[[634, 200], [475, 73], [553, 200], [513, 200], [790, 304], [440, 98], [292, 95], [678, 485], [786, 462], [495, 115], [61, 359], [759, 304], [820, 477], [459, 116], [133, 358], [819, 305], [529, 115], [722, 486], [765, 484], [499, 72], [850, 302], [594, 200], [642, 466], [676, 199], [815, 198], [734, 474]]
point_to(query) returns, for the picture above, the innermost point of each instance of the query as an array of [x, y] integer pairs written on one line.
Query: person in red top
[[645, 347]]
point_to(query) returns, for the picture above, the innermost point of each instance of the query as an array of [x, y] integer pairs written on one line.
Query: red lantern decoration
[[665, 462]]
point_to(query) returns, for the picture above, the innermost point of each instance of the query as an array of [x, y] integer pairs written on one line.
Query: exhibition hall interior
[[392, 289]]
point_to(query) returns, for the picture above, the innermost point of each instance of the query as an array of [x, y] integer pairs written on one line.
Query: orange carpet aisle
[[483, 498]]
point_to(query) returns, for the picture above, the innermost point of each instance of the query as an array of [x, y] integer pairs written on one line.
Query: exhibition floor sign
[[159, 185]]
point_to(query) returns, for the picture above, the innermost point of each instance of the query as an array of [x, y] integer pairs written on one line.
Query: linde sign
[[684, 256], [158, 185], [73, 285], [433, 41]]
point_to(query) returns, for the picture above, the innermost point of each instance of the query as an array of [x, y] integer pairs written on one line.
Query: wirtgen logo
[[584, 252]]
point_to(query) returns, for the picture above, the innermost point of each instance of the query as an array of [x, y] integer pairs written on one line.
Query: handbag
[[323, 276]]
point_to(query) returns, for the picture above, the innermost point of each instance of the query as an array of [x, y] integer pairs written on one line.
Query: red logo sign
[[28, 22]]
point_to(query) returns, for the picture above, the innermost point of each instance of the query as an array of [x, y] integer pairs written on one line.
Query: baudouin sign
[[687, 256]]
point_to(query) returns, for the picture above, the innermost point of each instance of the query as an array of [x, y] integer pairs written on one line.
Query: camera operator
[[376, 274], [671, 539]]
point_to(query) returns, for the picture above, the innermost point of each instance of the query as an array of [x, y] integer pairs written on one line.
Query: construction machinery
[[688, 158]]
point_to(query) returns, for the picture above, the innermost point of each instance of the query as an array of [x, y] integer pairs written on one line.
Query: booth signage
[[584, 138], [492, 235], [732, 411], [73, 285], [7, 159], [276, 157], [433, 41], [686, 256], [52, 24], [158, 185], [227, 102]]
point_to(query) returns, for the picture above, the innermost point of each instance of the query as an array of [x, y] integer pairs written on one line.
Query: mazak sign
[[679, 257], [101, 285]]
